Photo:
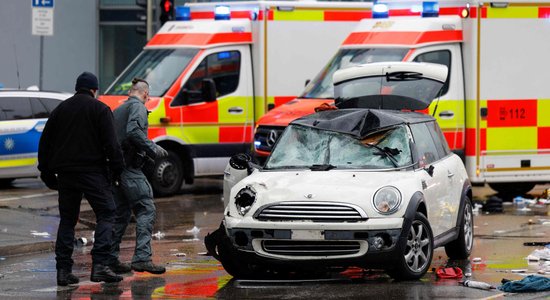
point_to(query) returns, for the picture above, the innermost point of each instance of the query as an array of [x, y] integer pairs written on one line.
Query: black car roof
[[359, 123]]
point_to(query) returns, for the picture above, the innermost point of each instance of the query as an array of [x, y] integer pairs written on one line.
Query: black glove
[[49, 179], [160, 152]]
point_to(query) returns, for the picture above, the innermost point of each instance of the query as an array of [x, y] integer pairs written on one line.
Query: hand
[[160, 152], [49, 179]]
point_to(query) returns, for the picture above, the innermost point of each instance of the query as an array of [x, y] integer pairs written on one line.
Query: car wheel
[[462, 246], [167, 175], [417, 252], [6, 182]]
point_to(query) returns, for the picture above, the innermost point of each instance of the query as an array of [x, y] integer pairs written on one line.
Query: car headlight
[[244, 199], [387, 200]]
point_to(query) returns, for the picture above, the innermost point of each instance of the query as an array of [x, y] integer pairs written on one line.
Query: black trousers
[[98, 191]]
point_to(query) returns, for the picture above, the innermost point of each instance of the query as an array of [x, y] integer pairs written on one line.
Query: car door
[[435, 185]]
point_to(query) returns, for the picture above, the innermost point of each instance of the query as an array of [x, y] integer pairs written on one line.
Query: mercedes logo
[[272, 138]]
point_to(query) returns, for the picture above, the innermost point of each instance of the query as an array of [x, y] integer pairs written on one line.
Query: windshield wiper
[[324, 167], [386, 152]]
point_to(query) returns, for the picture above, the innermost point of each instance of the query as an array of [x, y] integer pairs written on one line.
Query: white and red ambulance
[[494, 109]]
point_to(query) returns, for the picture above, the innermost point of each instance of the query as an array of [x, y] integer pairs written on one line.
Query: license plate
[[307, 235]]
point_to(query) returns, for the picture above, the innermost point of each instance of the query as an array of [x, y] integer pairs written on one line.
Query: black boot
[[103, 273], [120, 268], [65, 277], [148, 266]]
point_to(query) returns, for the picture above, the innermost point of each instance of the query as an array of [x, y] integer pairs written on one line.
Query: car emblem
[[309, 196], [272, 138]]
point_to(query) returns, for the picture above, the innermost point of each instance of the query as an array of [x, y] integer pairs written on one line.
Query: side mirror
[[208, 90], [182, 98], [240, 161], [430, 170]]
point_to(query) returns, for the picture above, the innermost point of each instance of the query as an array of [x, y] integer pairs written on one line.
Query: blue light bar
[[183, 13], [430, 9], [222, 12], [380, 11]]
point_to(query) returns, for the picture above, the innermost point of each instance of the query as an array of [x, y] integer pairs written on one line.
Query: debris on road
[[41, 234], [539, 254], [179, 254], [478, 285], [448, 273], [158, 235], [529, 284]]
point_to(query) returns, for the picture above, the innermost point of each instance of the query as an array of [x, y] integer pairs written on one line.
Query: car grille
[[265, 137], [311, 211], [311, 248]]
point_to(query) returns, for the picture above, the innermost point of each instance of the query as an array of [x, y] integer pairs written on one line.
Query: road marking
[[493, 296], [28, 196]]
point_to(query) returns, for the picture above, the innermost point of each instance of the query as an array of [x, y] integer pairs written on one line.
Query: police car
[[23, 115]]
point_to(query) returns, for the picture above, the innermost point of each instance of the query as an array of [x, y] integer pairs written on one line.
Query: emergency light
[[430, 9], [183, 13], [222, 12], [380, 11]]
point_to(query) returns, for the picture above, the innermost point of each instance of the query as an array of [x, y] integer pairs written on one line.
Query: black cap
[[86, 80]]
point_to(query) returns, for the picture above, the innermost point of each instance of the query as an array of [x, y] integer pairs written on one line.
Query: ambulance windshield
[[321, 87], [160, 67]]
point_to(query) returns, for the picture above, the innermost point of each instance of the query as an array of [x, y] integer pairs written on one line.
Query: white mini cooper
[[367, 184]]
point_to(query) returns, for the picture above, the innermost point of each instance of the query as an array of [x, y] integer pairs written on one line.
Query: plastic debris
[[539, 254], [529, 284], [2, 258], [41, 234], [519, 271], [476, 209], [158, 235], [195, 232], [179, 254], [82, 241], [478, 285], [476, 259]]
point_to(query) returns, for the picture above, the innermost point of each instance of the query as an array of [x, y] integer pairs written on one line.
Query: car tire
[[166, 176], [461, 248], [6, 182], [416, 252]]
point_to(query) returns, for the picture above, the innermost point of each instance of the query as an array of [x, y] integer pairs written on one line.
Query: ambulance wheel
[[462, 246], [167, 175], [6, 182], [512, 189]]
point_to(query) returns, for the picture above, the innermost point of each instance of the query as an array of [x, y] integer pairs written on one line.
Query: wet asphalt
[[499, 252]]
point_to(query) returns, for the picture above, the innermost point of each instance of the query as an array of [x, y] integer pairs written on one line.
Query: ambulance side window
[[16, 108], [223, 67], [442, 57]]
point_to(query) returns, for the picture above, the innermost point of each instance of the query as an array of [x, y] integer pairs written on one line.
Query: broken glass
[[306, 147]]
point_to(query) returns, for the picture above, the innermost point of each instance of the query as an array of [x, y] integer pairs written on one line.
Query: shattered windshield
[[159, 67], [307, 147], [321, 86]]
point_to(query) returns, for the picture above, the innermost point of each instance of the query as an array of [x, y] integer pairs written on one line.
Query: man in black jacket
[[78, 154]]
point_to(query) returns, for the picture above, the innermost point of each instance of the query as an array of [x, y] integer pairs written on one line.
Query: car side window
[[442, 57], [16, 108], [425, 146], [38, 109], [223, 67], [50, 104], [439, 139]]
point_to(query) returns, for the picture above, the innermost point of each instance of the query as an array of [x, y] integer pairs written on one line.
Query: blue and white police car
[[23, 115]]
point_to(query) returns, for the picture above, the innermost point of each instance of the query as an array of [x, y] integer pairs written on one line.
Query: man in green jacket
[[134, 193]]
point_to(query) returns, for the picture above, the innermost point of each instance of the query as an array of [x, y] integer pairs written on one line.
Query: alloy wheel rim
[[418, 249], [468, 228]]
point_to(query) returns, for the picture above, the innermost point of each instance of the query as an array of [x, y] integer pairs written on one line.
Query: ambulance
[[494, 109], [219, 67]]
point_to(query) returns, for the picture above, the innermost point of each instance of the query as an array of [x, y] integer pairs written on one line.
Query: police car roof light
[[380, 11], [430, 9], [183, 13], [222, 12]]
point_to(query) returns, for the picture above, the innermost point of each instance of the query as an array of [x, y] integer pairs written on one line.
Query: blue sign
[[42, 3]]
